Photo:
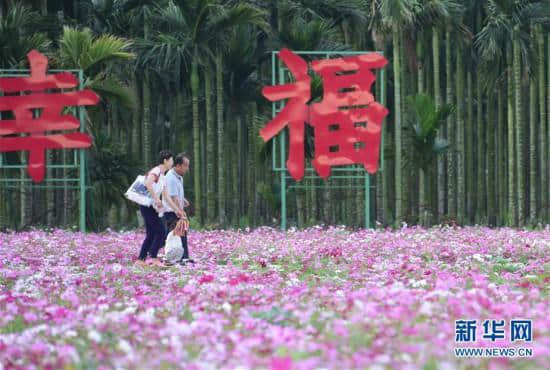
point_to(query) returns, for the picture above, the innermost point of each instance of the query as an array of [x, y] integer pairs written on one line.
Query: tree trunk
[[519, 134], [441, 132], [159, 128], [501, 157], [451, 133], [235, 189], [136, 119], [314, 202], [422, 198], [146, 132], [379, 197], [512, 210], [420, 54], [533, 148], [469, 155], [257, 169], [326, 203], [22, 194], [252, 140], [50, 193], [408, 173], [210, 148], [76, 13], [3, 204], [461, 187], [196, 139], [399, 207], [219, 106], [543, 126], [237, 202], [491, 196], [545, 180], [300, 207], [480, 154]]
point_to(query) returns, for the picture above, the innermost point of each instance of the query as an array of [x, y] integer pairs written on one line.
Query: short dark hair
[[164, 154], [180, 158]]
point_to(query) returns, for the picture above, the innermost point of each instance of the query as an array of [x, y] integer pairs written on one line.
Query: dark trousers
[[155, 233], [171, 219]]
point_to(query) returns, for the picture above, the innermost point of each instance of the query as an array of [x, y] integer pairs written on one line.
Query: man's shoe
[[186, 261]]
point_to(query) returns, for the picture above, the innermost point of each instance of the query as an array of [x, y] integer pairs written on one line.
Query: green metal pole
[[283, 163], [367, 201], [82, 163], [383, 102], [283, 184], [274, 111]]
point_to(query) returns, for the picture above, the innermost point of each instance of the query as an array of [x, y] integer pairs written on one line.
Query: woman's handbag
[[138, 193]]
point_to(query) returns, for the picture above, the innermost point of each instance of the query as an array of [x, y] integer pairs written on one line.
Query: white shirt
[[174, 183]]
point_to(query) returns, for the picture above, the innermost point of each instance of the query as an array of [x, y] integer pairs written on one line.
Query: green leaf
[[112, 89]]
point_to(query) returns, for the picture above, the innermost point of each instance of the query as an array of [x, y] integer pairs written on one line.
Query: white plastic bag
[[173, 249]]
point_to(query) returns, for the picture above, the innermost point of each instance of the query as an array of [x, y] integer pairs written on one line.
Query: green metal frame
[[79, 158], [278, 74]]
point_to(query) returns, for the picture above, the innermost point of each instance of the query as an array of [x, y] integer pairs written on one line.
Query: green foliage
[[17, 325], [111, 170], [427, 121], [96, 57], [275, 316], [268, 193], [18, 36]]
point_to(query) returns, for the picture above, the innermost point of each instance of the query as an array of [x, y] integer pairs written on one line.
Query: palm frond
[[79, 49], [73, 45], [240, 13], [18, 36], [112, 89], [107, 48], [427, 146]]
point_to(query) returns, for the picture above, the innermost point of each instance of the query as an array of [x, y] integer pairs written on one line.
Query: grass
[[17, 325]]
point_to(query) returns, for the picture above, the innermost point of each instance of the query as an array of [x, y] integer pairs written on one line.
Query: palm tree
[[95, 57], [510, 21], [194, 32], [225, 19], [397, 16], [426, 143], [18, 36], [349, 16], [242, 56], [79, 49]]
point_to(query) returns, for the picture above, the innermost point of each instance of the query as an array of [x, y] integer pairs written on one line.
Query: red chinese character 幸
[[347, 122], [22, 95]]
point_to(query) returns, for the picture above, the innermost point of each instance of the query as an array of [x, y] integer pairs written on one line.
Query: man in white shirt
[[174, 184]]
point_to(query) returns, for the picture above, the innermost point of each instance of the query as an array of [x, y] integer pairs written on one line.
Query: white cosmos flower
[[94, 335]]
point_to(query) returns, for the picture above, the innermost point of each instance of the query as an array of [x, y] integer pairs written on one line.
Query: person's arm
[[149, 185], [176, 201], [171, 203]]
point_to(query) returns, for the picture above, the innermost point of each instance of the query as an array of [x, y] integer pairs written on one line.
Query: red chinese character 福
[[347, 122], [51, 105]]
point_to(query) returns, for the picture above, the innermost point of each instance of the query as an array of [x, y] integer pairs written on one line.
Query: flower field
[[319, 298]]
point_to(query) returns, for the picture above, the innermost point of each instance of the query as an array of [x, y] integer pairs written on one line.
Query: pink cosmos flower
[[281, 363]]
